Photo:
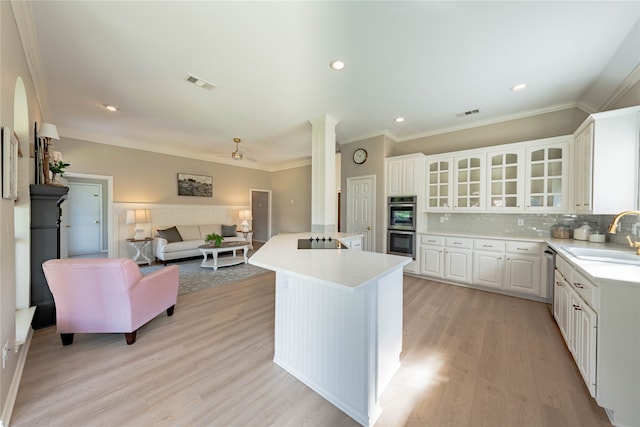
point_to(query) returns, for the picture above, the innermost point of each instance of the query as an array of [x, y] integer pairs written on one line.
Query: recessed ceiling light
[[110, 107], [519, 87], [399, 119], [336, 64]]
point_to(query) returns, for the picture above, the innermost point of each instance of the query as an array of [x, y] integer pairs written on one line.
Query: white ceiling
[[425, 61]]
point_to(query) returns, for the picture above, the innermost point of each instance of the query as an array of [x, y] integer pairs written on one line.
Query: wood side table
[[139, 245]]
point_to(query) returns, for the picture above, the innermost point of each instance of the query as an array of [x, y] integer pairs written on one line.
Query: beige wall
[[14, 217], [145, 177], [377, 151], [291, 200], [630, 99]]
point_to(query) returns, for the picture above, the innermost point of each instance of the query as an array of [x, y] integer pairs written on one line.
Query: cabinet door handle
[[457, 243], [487, 246], [578, 285], [559, 283], [522, 249], [576, 307]]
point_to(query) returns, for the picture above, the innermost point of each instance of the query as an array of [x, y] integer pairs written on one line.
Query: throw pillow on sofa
[[229, 230], [171, 234]]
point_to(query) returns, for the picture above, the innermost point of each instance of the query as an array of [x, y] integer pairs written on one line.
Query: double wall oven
[[401, 225]]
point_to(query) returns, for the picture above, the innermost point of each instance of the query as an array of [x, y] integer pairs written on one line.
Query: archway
[[21, 210]]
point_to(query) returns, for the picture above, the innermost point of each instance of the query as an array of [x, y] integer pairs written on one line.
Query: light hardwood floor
[[470, 358]]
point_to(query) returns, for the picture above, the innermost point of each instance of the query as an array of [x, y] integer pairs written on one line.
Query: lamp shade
[[245, 214], [138, 216], [48, 130]]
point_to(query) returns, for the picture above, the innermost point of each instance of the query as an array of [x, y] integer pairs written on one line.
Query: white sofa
[[192, 236]]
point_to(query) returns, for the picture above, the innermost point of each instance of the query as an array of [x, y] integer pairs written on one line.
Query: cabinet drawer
[[427, 239], [525, 248], [586, 289], [489, 245], [459, 242]]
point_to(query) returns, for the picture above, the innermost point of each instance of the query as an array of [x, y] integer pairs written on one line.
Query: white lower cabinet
[[577, 320], [488, 263], [506, 265], [522, 268], [561, 304], [432, 256], [446, 258], [457, 259]]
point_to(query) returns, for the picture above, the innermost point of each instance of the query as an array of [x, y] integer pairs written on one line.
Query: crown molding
[[440, 131], [24, 20], [627, 83]]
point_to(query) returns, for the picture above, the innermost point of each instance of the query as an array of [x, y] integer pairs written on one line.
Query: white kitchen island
[[338, 320]]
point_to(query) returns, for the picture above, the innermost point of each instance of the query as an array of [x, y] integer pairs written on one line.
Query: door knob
[[369, 228], [67, 226], [97, 222]]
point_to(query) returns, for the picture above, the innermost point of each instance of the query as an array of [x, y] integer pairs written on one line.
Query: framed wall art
[[195, 185], [9, 164]]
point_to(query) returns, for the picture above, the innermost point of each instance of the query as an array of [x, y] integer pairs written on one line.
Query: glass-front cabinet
[[546, 183], [506, 186], [469, 183], [530, 176], [438, 184]]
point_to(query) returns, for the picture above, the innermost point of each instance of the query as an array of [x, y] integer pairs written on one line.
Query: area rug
[[195, 278]]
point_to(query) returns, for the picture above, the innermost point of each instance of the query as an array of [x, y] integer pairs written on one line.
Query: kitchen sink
[[604, 255]]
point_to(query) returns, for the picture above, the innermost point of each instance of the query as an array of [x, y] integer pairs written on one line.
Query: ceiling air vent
[[201, 83], [468, 113]]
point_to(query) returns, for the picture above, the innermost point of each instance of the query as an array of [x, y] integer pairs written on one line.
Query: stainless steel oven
[[402, 213], [401, 243], [401, 226]]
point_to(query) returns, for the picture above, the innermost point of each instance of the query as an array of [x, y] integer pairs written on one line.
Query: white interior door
[[360, 209], [84, 229]]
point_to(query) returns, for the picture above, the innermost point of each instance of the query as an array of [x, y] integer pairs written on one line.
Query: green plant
[[58, 167], [213, 237]]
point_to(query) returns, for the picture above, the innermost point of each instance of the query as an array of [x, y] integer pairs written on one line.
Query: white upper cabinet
[[505, 173], [525, 176], [606, 162], [582, 169], [404, 175], [438, 177], [547, 166], [470, 181]]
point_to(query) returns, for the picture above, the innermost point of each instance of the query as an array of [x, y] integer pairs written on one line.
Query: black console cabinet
[[45, 245]]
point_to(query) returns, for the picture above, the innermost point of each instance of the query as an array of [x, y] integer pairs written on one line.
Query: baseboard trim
[[12, 395]]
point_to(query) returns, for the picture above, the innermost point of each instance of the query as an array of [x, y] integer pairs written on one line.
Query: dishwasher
[[550, 258]]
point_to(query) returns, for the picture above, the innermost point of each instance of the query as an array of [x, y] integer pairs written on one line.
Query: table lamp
[[245, 215], [138, 217], [48, 132]]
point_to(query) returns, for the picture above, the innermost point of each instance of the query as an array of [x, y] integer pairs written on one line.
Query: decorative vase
[[55, 179]]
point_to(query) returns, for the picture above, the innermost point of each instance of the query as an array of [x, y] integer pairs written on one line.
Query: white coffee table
[[214, 262]]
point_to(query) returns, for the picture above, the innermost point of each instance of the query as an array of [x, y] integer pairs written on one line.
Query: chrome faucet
[[613, 227]]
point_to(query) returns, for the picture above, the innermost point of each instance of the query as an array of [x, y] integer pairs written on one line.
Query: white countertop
[[607, 272], [599, 271], [343, 268]]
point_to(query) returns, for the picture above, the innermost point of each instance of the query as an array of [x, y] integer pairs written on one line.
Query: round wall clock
[[360, 156]]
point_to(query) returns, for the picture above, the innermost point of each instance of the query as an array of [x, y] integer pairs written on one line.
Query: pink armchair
[[108, 295]]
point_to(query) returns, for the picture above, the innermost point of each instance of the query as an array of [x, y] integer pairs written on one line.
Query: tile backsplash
[[533, 225]]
